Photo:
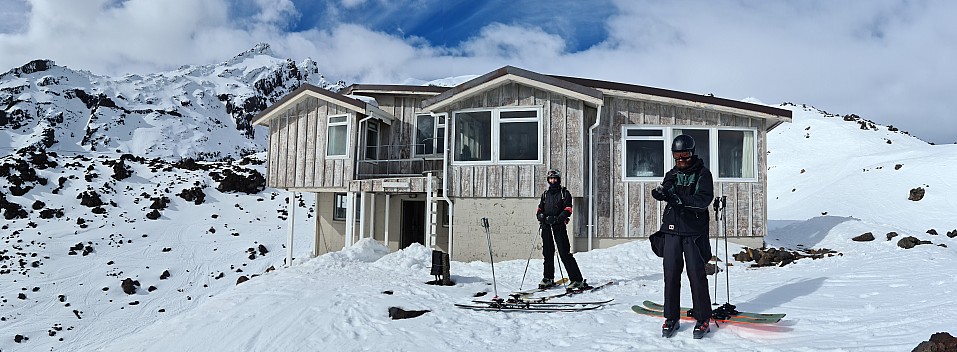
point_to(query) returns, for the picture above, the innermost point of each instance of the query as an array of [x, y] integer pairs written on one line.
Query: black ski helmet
[[553, 173], [683, 143]]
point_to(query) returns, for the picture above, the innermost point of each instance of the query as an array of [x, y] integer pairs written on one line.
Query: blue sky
[[890, 61]]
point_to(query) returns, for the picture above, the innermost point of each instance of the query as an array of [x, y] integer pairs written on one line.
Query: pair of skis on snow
[[655, 309], [528, 302]]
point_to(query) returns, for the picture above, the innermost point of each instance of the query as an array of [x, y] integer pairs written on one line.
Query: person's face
[[552, 180], [682, 159]]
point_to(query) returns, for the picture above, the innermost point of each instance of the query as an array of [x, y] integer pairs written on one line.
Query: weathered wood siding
[[626, 209], [562, 146], [297, 147]]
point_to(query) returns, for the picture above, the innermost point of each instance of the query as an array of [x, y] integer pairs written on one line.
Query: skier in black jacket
[[688, 189], [553, 212]]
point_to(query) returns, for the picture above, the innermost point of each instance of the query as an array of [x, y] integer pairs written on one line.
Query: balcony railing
[[396, 161]]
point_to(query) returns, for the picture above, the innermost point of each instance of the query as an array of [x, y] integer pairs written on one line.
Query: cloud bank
[[888, 61]]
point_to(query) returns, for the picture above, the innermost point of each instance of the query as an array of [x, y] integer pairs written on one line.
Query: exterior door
[[413, 223]]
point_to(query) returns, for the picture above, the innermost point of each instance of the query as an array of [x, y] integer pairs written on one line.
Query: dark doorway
[[413, 223]]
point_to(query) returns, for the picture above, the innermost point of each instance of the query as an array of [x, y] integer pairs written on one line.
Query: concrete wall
[[330, 235], [512, 224]]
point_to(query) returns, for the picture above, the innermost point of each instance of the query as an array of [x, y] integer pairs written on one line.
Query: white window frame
[[438, 121], [335, 198], [495, 139], [329, 125], [669, 162], [754, 155], [666, 155]]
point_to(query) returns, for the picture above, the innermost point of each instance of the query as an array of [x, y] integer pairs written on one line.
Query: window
[[339, 207], [728, 152], [498, 135], [474, 132], [337, 136], [518, 135], [736, 154], [372, 140], [644, 153], [429, 134]]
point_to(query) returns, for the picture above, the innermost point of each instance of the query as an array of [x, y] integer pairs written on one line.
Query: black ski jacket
[[687, 213], [556, 202]]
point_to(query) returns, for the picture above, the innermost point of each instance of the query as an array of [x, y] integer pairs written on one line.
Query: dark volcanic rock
[[939, 342], [229, 181], [864, 237], [89, 198], [194, 195], [129, 286], [916, 194], [910, 242]]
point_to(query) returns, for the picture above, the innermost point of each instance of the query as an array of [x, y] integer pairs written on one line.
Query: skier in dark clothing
[[688, 189], [553, 212]]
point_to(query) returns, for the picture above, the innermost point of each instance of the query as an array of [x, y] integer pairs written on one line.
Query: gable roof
[[396, 89], [510, 73], [611, 87], [322, 94]]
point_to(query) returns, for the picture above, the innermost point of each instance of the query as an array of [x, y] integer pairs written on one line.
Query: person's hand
[[551, 220], [658, 194], [674, 200], [540, 217]]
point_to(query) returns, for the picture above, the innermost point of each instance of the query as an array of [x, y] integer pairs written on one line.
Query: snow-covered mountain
[[201, 112], [114, 238]]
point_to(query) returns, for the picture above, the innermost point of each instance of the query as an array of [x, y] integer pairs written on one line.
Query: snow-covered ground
[[874, 296]]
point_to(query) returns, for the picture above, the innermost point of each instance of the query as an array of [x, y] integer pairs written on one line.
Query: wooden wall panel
[[527, 181], [309, 154], [554, 122], [510, 181], [574, 147], [282, 173], [301, 142], [273, 152], [494, 177]]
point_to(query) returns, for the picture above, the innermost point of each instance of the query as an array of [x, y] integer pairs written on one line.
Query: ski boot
[[546, 283], [669, 328], [578, 286], [700, 329]]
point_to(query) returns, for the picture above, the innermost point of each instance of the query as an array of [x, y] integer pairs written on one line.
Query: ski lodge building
[[424, 164]]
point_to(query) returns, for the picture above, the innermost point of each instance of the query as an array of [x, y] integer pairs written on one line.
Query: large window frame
[[338, 121], [667, 136], [497, 122], [436, 141]]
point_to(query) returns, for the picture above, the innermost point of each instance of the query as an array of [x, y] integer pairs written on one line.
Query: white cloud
[[887, 60]]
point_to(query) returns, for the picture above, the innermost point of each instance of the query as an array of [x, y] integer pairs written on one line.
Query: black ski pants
[[557, 235], [696, 251]]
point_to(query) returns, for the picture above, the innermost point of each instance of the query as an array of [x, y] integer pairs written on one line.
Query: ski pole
[[531, 248], [717, 225], [727, 276], [488, 237]]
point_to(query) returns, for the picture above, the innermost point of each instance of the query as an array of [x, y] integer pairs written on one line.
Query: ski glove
[[540, 217], [658, 194], [674, 200], [551, 220]]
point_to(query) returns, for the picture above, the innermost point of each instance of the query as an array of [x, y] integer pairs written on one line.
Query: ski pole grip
[[717, 202], [485, 223]]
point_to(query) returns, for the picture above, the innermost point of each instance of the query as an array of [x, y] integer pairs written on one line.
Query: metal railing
[[396, 161]]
